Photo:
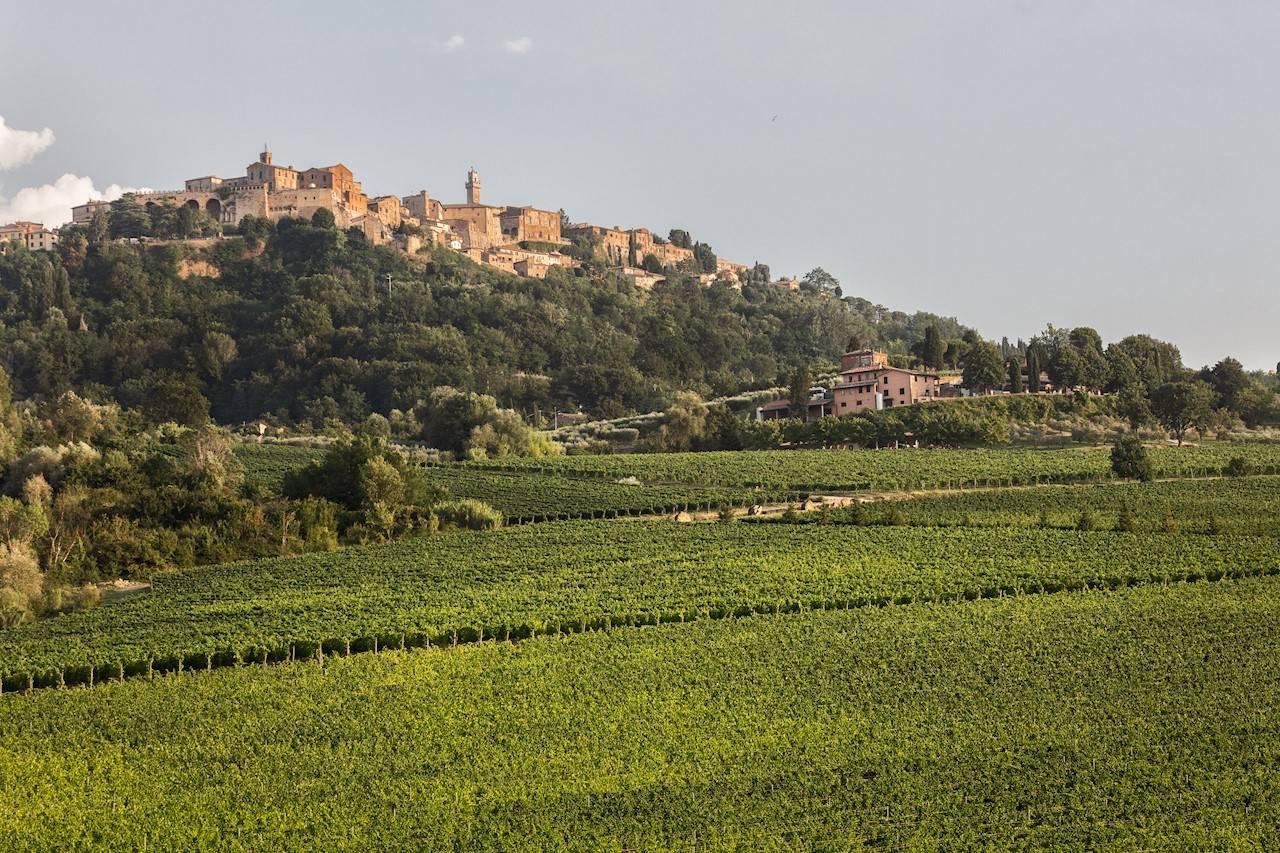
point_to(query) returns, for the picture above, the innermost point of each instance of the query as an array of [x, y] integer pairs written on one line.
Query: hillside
[[305, 327]]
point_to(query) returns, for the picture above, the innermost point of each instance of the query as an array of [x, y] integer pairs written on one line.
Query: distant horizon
[[1009, 165]]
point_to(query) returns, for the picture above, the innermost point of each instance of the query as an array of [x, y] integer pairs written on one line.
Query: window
[[886, 380], [901, 391], [843, 404]]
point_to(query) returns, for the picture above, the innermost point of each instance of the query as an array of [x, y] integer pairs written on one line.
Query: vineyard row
[[318, 650]]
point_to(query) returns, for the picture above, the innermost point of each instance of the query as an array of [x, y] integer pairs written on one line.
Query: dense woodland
[[299, 323]]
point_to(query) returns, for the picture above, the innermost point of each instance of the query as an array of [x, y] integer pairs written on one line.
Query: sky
[[1011, 163]]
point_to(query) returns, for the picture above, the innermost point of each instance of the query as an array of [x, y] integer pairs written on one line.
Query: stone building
[[388, 209], [271, 191], [423, 207], [32, 235], [668, 254], [529, 223], [486, 226], [339, 179], [275, 178], [82, 214], [613, 244]]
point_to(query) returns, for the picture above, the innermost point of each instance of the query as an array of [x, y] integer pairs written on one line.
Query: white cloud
[[21, 146], [524, 44], [455, 42], [51, 203]]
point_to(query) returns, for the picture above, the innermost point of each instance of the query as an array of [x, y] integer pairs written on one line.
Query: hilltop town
[[519, 239]]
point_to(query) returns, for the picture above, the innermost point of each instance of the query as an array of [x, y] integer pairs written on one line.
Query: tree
[[1229, 380], [1129, 459], [821, 281], [449, 416], [798, 393], [1133, 406], [932, 349], [1091, 366], [1016, 383], [680, 237], [705, 257], [1148, 361], [1033, 369], [323, 218], [128, 218], [1257, 406], [504, 433], [381, 484], [983, 367], [652, 264], [685, 423], [1182, 405]]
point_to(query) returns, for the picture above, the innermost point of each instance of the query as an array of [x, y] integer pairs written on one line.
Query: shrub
[[1129, 459], [1086, 521], [895, 517], [1126, 522], [1237, 466], [468, 514]]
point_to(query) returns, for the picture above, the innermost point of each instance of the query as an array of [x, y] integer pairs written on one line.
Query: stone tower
[[473, 186], [265, 156]]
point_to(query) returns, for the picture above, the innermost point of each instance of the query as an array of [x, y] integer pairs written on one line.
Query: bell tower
[[265, 156], [473, 186]]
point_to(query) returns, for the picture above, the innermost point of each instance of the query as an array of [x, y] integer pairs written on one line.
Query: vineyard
[[1096, 720], [270, 463], [571, 577], [972, 669], [1244, 506], [527, 496], [845, 470]]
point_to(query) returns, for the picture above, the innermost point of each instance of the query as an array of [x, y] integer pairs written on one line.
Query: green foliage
[[1237, 466], [1244, 507], [1130, 460], [983, 367], [1182, 405], [468, 514], [973, 709], [1125, 521], [533, 578], [844, 470]]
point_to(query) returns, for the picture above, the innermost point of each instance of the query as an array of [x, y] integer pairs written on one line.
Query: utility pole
[[388, 278]]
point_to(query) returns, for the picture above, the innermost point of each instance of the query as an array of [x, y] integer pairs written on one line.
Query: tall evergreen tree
[[1016, 384]]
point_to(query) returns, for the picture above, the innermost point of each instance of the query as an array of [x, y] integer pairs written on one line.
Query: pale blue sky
[[1115, 164]]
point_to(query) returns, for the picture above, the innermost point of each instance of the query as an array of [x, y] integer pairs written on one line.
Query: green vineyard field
[[571, 577], [1247, 505], [1130, 719], [843, 470], [531, 496]]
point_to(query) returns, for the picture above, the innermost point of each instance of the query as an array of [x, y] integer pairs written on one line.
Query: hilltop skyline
[[1011, 165]]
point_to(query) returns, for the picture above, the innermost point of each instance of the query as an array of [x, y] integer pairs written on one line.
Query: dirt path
[[112, 590]]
